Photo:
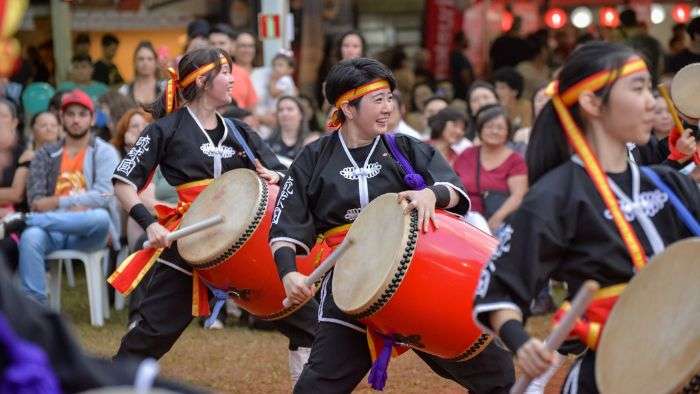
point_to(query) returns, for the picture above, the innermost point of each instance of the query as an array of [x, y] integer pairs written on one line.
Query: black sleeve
[[139, 164], [260, 148], [434, 168], [530, 247], [292, 220]]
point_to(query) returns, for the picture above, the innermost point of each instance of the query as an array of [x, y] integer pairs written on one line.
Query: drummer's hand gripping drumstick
[[326, 266], [578, 306], [191, 229]]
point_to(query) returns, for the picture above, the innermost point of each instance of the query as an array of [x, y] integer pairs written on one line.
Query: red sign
[[269, 26], [442, 20]]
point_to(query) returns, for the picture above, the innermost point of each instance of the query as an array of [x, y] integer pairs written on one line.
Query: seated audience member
[[509, 88], [447, 129], [480, 94], [70, 195], [287, 138], [494, 175], [81, 78]]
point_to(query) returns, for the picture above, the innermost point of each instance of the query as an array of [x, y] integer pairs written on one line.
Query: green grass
[[236, 359]]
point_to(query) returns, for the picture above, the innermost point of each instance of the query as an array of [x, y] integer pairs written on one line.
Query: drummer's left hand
[[268, 175], [423, 201]]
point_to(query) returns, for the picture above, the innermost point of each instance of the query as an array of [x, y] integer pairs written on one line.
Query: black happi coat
[[564, 231], [322, 191], [181, 148]]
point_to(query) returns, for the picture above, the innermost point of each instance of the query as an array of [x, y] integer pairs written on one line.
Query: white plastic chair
[[94, 263]]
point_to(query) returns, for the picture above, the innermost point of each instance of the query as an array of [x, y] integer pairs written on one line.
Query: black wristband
[[442, 195], [285, 258], [513, 335], [141, 215]]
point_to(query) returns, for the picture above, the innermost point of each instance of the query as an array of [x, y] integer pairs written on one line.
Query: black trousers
[[340, 359], [581, 377], [165, 310]]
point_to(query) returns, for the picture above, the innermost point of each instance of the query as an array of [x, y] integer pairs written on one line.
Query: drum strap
[[681, 209], [239, 138]]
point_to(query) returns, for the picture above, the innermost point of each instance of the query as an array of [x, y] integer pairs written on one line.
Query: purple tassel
[[29, 370], [378, 373], [414, 181]]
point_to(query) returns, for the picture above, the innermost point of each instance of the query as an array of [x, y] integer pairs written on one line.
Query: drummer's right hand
[[533, 358], [295, 288], [157, 235]]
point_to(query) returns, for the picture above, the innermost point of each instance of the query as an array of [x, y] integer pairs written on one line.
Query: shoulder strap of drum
[[681, 209], [412, 179], [239, 138]]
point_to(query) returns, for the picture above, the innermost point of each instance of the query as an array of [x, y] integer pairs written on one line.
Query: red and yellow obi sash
[[334, 121], [325, 244], [129, 273], [589, 327], [562, 101]]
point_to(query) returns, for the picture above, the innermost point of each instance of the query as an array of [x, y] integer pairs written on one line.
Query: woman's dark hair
[[350, 74], [488, 113], [36, 116], [511, 77], [303, 129], [339, 45], [476, 85], [148, 46], [414, 104], [189, 63], [438, 121], [313, 122], [55, 101], [548, 146]]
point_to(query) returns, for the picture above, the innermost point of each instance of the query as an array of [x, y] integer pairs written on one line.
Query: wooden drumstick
[[191, 229], [583, 298], [671, 107], [326, 266]]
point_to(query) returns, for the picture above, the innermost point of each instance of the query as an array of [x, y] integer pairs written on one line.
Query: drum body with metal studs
[[235, 256], [651, 340], [416, 287]]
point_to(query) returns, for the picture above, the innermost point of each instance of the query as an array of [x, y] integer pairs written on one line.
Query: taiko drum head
[[367, 267], [685, 90], [651, 340], [237, 196]]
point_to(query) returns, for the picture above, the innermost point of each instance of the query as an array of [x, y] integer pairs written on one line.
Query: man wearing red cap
[[70, 194]]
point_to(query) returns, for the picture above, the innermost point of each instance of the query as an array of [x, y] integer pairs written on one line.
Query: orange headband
[[334, 121], [561, 102], [174, 84]]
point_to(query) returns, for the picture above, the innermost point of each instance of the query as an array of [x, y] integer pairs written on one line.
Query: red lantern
[[555, 18], [681, 13], [506, 20], [609, 17]]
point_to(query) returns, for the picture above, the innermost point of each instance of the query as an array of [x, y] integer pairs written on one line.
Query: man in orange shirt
[[70, 194], [243, 92]]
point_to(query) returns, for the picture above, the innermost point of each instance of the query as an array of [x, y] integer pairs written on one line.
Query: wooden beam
[[312, 39], [62, 41]]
